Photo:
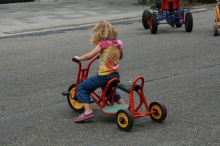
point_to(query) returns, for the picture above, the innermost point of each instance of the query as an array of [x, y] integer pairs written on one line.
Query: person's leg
[[121, 101], [118, 98], [88, 86], [83, 94], [87, 108]]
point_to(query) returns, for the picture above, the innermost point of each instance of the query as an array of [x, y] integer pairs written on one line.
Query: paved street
[[181, 70]]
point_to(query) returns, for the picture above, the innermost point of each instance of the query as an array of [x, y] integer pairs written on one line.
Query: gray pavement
[[19, 18], [38, 16]]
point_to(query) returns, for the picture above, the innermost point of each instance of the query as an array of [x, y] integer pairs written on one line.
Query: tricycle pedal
[[65, 93]]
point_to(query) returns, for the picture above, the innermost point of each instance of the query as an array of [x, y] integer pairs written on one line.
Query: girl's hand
[[89, 55], [77, 57]]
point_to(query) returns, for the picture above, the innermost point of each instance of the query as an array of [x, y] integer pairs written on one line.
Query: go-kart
[[169, 13], [125, 114], [216, 27]]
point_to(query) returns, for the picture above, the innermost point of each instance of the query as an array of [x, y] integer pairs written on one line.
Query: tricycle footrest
[[65, 93], [114, 108]]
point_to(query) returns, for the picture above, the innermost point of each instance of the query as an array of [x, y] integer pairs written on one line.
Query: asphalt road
[[181, 70]]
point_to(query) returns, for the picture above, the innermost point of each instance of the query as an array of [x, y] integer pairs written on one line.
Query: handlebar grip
[[75, 60]]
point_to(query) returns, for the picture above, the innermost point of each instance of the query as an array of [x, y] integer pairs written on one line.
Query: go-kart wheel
[[74, 104], [179, 20], [124, 119], [215, 30], [161, 112], [153, 24], [146, 19], [188, 22]]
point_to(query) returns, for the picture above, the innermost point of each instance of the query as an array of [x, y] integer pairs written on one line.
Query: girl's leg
[[87, 108], [118, 98], [88, 86], [121, 101]]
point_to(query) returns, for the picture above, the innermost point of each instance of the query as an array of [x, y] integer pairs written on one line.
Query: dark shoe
[[83, 117]]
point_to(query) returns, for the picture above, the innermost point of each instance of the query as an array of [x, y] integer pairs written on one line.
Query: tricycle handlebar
[[75, 60]]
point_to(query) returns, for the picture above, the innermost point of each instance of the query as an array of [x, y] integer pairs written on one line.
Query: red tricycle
[[216, 28], [125, 114]]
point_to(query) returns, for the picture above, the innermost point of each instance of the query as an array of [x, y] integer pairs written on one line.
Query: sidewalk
[[18, 18]]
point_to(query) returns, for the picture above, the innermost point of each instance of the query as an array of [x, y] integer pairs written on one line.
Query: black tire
[[146, 19], [215, 30], [188, 22], [153, 24], [179, 21], [124, 119], [74, 104], [161, 112]]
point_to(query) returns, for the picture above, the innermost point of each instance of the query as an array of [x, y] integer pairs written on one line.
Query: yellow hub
[[122, 120], [159, 111]]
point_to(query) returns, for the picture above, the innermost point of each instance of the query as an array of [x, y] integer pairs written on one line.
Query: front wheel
[[146, 19], [153, 24], [73, 103], [188, 22], [124, 119], [161, 112], [215, 30]]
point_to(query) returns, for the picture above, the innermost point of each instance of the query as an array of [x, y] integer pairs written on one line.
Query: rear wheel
[[215, 30], [161, 112], [146, 19], [153, 24], [124, 119], [73, 103], [188, 22]]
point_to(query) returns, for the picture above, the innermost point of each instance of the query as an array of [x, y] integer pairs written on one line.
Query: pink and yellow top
[[109, 56]]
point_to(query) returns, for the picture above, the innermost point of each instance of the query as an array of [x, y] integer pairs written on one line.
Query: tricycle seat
[[127, 88]]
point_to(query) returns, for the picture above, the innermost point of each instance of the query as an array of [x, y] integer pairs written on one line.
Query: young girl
[[104, 37]]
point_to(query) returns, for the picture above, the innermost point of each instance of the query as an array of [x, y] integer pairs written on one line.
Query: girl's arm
[[89, 55], [121, 55]]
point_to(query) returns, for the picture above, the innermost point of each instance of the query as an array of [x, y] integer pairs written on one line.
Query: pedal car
[[168, 12], [125, 114], [216, 27]]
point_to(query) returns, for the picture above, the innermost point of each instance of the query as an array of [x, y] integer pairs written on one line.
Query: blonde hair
[[103, 31]]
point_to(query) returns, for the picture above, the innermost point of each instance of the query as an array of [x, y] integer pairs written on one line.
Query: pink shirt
[[109, 56]]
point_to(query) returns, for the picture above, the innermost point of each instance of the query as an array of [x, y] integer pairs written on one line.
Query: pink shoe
[[83, 117]]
